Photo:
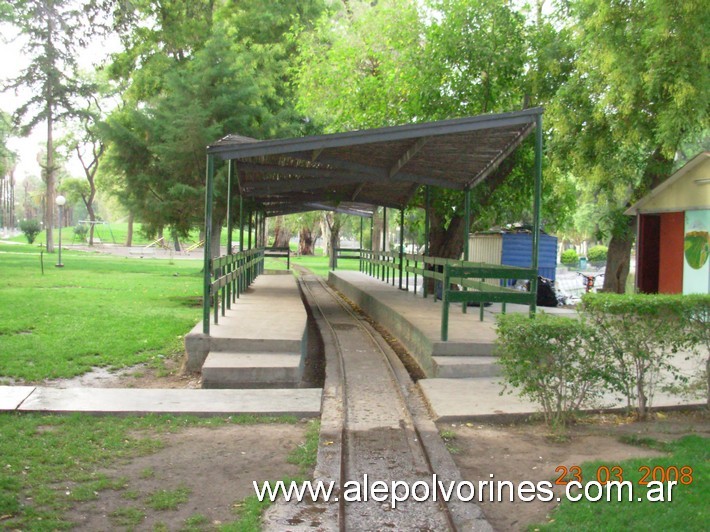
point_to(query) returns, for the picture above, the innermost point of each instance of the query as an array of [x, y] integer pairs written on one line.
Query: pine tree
[[54, 31]]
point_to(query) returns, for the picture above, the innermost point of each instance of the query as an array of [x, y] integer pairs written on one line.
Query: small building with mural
[[673, 239]]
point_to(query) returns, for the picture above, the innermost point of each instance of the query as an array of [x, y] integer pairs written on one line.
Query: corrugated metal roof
[[358, 170]]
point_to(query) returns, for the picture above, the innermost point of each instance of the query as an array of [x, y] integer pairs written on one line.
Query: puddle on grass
[[96, 378]]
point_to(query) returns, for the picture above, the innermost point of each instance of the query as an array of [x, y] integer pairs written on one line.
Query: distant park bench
[[280, 252]]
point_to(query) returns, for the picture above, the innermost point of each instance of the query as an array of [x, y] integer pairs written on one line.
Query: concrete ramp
[[416, 322]]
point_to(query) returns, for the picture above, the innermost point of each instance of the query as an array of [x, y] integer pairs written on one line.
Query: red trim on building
[[670, 264]]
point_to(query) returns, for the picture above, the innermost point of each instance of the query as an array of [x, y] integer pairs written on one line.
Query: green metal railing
[[460, 281], [383, 265], [346, 254], [476, 288], [231, 275]]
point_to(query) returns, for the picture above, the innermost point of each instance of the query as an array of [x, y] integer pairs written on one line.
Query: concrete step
[[252, 370], [258, 345], [472, 348], [460, 367]]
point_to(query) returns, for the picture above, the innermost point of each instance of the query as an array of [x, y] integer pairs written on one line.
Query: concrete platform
[[455, 399], [416, 322], [304, 402], [251, 370], [268, 318]]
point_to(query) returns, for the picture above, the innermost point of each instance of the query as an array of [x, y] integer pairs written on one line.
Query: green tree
[[222, 76], [89, 148], [30, 228], [306, 224], [54, 31], [638, 91], [7, 180], [393, 63], [7, 157]]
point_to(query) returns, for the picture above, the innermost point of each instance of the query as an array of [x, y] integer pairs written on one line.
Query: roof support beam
[[295, 185], [510, 148], [290, 171], [407, 156], [357, 191]]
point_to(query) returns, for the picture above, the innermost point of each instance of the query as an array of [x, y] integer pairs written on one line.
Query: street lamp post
[[60, 201]]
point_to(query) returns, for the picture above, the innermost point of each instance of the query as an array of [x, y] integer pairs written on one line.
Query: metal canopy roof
[[354, 172]]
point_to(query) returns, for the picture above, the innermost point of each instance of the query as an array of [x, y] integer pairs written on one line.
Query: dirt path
[[213, 467]]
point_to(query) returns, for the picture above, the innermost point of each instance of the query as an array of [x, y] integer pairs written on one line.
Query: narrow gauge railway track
[[373, 428]]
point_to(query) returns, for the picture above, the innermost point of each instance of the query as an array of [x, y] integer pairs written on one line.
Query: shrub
[[80, 231], [569, 257], [641, 332], [597, 254], [31, 228], [553, 360], [696, 314]]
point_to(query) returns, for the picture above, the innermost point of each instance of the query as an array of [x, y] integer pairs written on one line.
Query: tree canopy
[[624, 85]]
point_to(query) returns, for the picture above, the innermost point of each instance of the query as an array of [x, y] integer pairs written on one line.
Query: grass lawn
[[118, 232], [52, 463], [96, 311], [688, 509], [319, 264]]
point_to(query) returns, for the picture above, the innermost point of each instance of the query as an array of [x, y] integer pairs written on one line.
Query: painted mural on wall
[[696, 266]]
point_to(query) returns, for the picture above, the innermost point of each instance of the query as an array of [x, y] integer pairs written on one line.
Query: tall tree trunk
[[325, 233], [90, 170], [215, 245], [129, 234], [619, 258], [49, 196], [377, 232], [333, 223], [92, 219], [305, 241], [282, 236], [446, 241]]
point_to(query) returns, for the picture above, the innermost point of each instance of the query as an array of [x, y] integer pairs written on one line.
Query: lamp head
[[60, 200]]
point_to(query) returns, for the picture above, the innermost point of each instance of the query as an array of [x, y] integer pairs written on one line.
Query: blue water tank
[[517, 251]]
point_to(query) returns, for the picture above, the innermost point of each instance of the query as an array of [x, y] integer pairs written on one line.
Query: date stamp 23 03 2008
[[658, 482]]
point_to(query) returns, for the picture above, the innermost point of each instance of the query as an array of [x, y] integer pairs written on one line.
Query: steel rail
[[397, 381]]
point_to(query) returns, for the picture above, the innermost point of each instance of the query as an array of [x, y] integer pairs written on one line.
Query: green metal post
[[362, 221], [372, 242], [536, 210], [241, 223], [230, 266], [249, 227], [445, 306], [256, 229], [208, 241], [427, 199], [240, 282], [466, 228], [386, 270], [467, 223], [401, 246]]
